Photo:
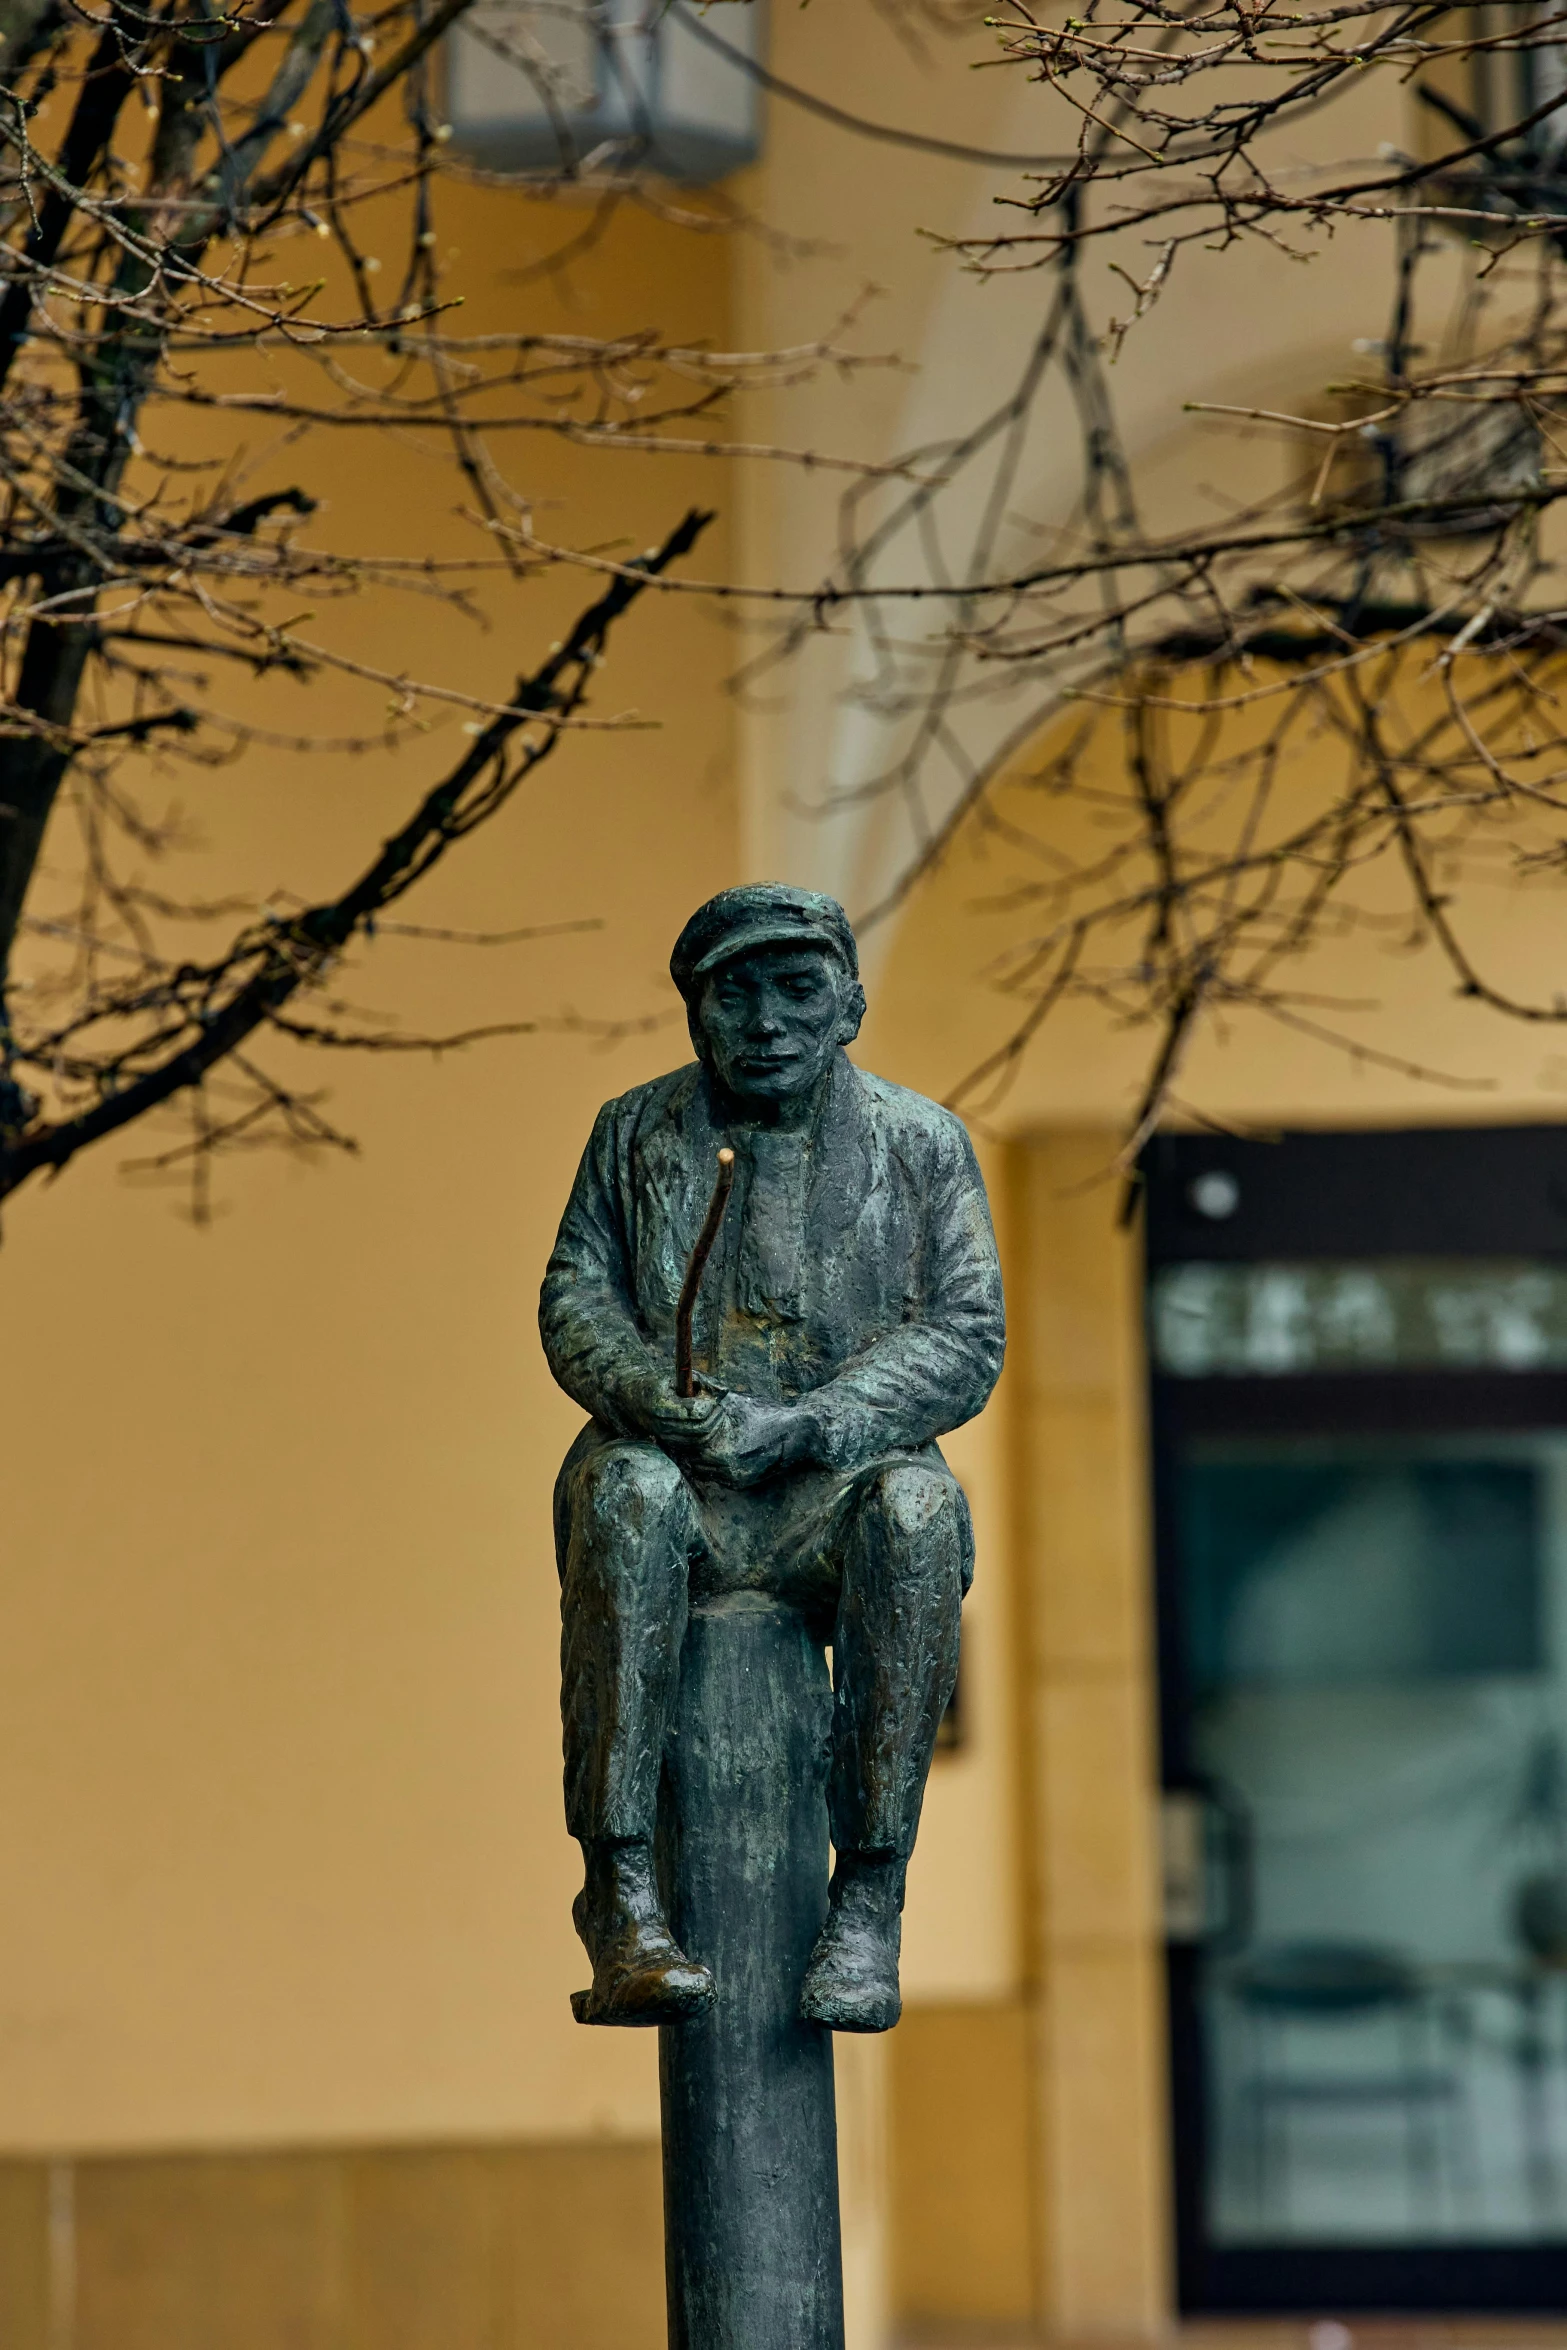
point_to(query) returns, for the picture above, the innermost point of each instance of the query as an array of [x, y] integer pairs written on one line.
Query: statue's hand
[[745, 1441], [679, 1422]]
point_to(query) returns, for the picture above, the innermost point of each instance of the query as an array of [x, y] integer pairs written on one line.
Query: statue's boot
[[851, 1982], [640, 1973]]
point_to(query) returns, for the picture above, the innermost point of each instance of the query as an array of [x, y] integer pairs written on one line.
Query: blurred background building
[[1233, 1957]]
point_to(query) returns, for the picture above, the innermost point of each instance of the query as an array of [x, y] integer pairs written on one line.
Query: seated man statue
[[850, 1313]]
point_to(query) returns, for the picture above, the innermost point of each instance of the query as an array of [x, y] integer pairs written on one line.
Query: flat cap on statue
[[762, 913]]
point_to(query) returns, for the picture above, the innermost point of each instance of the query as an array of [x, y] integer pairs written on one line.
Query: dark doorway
[[1358, 1351]]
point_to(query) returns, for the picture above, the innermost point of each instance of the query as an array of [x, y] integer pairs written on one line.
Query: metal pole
[[752, 2251]]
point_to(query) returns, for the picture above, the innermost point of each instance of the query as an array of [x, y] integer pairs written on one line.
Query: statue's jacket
[[856, 1261]]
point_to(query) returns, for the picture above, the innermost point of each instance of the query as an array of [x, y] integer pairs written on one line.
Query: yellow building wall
[[1371, 993], [428, 2248], [279, 1728], [1028, 2128]]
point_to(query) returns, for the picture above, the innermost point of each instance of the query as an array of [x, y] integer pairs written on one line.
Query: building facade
[[286, 2056]]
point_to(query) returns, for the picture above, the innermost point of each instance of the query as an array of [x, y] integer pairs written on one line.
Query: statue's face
[[767, 1022]]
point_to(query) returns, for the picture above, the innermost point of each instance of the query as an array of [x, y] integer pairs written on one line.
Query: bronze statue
[[848, 1315]]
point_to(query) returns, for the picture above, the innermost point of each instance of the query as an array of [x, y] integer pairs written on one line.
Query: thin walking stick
[[685, 1382]]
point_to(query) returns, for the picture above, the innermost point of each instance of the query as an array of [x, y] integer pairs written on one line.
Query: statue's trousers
[[750, 2142]]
